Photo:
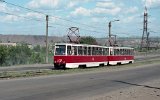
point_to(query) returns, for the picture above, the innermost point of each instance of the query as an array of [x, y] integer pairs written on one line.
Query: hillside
[[40, 40], [30, 39]]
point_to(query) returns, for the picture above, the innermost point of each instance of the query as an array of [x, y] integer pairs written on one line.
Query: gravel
[[145, 91]]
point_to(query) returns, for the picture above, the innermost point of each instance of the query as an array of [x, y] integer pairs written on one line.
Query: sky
[[90, 16]]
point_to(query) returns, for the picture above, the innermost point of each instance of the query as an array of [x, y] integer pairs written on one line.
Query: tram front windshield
[[60, 50]]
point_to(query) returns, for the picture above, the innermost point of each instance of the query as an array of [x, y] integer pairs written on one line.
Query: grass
[[17, 74]]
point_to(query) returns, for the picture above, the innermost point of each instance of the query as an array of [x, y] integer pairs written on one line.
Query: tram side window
[[132, 52], [60, 50], [100, 51], [106, 51], [125, 52], [85, 50], [97, 51], [128, 51], [89, 50], [69, 52], [93, 51], [74, 49], [80, 51], [116, 51], [103, 51], [121, 51]]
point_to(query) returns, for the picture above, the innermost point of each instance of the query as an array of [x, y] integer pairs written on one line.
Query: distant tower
[[73, 35], [145, 35]]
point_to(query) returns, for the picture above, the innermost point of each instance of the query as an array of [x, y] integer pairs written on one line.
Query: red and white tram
[[67, 55]]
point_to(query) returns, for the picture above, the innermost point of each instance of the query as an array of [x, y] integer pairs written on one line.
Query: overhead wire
[[22, 7], [47, 14], [20, 16], [50, 26], [67, 26]]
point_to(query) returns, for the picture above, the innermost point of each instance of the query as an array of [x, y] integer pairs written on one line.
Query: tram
[[68, 55]]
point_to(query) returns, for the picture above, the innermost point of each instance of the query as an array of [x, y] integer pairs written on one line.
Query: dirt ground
[[145, 91]]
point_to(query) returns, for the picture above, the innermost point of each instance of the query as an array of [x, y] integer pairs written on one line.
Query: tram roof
[[79, 44], [73, 44]]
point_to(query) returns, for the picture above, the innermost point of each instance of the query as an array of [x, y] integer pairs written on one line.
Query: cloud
[[21, 17], [100, 8], [81, 11], [106, 4], [3, 7], [151, 3], [112, 11], [107, 7], [43, 3], [131, 10], [130, 19], [34, 15], [74, 3], [10, 18]]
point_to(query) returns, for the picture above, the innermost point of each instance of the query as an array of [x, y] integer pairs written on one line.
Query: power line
[[79, 28], [50, 16], [22, 7], [21, 16], [46, 14], [53, 23]]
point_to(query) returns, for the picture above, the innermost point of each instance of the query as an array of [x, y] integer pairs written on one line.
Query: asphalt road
[[75, 86]]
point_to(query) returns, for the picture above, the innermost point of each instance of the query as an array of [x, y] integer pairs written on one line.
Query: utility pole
[[109, 25], [47, 39], [145, 35]]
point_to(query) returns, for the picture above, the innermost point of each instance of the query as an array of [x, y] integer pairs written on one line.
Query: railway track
[[50, 66]]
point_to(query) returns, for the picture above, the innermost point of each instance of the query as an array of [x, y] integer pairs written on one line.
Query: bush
[[36, 58], [21, 54], [3, 55]]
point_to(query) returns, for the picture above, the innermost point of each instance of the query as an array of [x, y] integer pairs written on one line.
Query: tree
[[19, 54], [88, 40], [36, 58], [3, 55], [37, 48]]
